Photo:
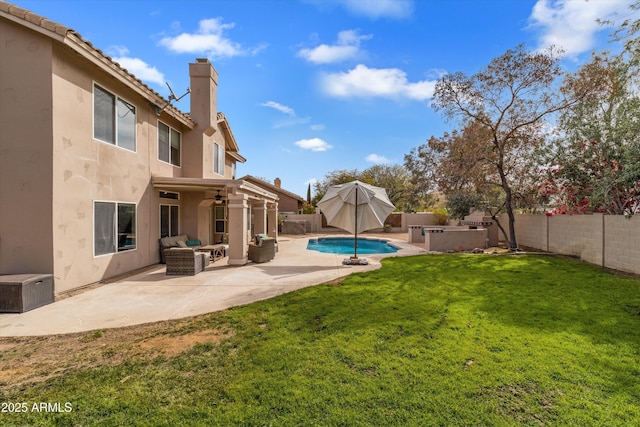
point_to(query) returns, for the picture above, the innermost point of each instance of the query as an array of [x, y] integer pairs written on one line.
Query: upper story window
[[169, 144], [218, 159], [114, 119]]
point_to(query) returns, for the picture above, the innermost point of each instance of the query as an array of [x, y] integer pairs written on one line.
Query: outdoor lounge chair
[[185, 261], [264, 251]]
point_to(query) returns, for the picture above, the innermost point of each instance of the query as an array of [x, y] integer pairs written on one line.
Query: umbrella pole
[[355, 241]]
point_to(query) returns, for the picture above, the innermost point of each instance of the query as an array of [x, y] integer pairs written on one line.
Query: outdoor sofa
[[185, 261], [181, 241]]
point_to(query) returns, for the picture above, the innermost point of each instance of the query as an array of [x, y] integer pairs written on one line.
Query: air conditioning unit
[[24, 292]]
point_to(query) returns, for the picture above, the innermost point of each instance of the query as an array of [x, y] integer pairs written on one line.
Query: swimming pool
[[344, 245]]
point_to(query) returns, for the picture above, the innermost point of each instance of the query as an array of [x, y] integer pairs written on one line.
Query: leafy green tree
[[393, 178], [461, 203], [340, 176]]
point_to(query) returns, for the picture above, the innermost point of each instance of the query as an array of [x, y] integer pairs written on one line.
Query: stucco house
[[95, 166], [288, 202]]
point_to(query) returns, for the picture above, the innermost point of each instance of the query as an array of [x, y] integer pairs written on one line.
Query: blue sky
[[311, 86]]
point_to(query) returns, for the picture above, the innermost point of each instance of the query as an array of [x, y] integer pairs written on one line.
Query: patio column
[[238, 222], [272, 220], [260, 217]]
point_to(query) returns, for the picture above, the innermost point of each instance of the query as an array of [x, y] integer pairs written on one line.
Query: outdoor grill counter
[[24, 292]]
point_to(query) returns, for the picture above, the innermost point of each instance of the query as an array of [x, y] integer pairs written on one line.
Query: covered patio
[[223, 211]]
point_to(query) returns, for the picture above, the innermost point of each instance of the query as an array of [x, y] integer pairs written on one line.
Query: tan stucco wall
[[87, 170], [464, 239], [26, 241], [287, 203]]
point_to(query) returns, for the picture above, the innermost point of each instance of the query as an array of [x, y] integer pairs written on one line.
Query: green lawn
[[429, 340]]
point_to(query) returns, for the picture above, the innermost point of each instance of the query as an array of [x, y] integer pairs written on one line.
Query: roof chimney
[[204, 88], [277, 182]]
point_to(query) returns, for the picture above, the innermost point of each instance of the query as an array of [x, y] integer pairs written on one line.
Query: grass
[[429, 340]]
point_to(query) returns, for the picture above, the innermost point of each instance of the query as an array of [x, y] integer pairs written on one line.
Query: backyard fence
[[611, 241]]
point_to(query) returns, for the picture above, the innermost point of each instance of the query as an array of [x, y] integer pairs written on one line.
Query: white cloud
[[376, 82], [282, 108], [572, 24], [291, 120], [141, 70], [377, 159], [317, 127], [314, 144], [347, 47], [208, 39], [136, 66], [375, 9]]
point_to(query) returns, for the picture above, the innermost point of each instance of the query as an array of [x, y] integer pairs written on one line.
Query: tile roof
[[271, 187]]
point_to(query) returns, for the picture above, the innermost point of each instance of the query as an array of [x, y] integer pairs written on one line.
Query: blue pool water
[[344, 245]]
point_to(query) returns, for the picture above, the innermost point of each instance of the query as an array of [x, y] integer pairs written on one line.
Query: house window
[[114, 227], [220, 219], [169, 195], [114, 120], [169, 144], [218, 159], [169, 220]]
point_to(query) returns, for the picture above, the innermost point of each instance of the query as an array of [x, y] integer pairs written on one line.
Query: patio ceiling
[[237, 186]]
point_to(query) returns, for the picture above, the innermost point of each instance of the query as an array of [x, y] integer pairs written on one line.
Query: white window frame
[[117, 98], [115, 228], [170, 134], [218, 159]]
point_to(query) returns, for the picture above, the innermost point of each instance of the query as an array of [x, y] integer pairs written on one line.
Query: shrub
[[440, 216]]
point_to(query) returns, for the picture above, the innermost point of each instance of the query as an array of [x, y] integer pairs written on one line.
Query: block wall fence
[[611, 241]]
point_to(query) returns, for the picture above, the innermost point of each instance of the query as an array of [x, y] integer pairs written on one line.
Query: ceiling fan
[[218, 198]]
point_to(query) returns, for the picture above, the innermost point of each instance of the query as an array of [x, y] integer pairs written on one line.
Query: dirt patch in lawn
[[37, 359]]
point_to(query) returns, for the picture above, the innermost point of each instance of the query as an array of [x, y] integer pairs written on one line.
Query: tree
[[596, 164], [510, 100], [421, 163], [393, 178], [340, 176]]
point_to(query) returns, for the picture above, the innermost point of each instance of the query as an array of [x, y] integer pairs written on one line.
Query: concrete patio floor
[[151, 296]]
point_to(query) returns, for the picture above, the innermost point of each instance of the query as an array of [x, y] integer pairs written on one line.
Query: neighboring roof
[[74, 41], [271, 187]]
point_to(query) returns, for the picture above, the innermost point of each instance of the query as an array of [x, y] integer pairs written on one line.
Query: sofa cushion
[[182, 244], [173, 240], [194, 242]]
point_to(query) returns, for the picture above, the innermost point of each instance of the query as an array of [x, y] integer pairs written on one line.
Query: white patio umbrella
[[356, 207]]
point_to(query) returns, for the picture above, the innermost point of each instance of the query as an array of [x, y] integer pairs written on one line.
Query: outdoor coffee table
[[217, 251]]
